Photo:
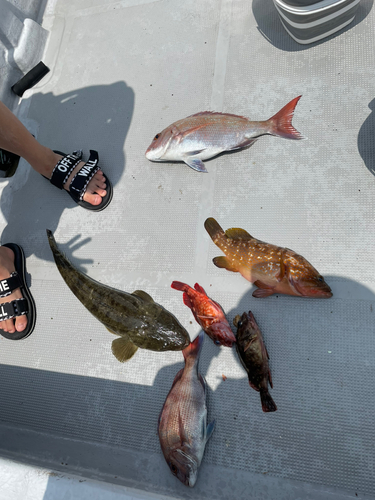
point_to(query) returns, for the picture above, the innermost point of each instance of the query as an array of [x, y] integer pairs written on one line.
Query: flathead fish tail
[[268, 404], [192, 351], [60, 259], [215, 231], [280, 124], [52, 241]]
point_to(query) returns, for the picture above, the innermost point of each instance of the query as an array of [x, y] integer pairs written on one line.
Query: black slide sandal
[[18, 307], [80, 181]]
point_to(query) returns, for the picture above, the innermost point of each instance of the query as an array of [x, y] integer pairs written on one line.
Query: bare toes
[[93, 199], [100, 185], [21, 322], [101, 192], [8, 326]]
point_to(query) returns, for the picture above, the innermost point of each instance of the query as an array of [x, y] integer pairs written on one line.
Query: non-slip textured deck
[[120, 73]]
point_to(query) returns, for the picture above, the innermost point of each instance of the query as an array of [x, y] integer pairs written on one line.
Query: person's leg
[[6, 268], [15, 138]]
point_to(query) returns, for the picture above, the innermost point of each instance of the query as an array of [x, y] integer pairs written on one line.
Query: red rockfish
[[205, 135], [209, 314], [183, 430], [271, 268]]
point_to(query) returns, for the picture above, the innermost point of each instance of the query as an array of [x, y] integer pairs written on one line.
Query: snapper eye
[[156, 137], [173, 469], [217, 342], [320, 278]]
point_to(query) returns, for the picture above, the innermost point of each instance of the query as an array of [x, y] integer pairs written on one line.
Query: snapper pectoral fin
[[123, 349], [195, 164], [224, 263]]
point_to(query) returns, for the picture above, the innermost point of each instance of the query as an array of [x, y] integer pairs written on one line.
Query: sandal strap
[[82, 178], [10, 310], [8, 285], [64, 168]]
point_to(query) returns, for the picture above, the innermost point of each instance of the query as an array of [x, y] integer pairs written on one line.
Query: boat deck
[[121, 72]]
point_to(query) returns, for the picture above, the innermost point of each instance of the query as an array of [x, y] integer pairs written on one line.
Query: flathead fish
[[183, 430], [208, 313], [271, 268], [135, 317], [205, 135], [254, 358]]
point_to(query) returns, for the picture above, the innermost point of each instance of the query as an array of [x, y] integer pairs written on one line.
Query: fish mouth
[[150, 156], [318, 292], [321, 294], [190, 481]]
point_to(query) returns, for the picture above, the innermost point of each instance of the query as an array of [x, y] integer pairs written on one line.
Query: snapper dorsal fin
[[236, 233]]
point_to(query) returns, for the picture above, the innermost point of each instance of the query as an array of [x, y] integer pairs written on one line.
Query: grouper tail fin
[[215, 231]]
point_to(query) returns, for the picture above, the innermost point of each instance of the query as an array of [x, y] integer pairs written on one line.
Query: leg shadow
[[96, 117]]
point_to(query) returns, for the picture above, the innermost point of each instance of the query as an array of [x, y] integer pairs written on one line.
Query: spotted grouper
[[205, 135], [271, 268]]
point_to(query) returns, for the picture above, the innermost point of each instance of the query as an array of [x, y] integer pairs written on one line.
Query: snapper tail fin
[[192, 351], [280, 124], [268, 404]]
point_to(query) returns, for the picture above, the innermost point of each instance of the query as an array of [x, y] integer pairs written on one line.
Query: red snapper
[[205, 135]]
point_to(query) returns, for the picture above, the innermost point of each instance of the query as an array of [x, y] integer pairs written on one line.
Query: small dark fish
[[208, 313], [183, 430], [271, 268], [135, 317], [254, 357]]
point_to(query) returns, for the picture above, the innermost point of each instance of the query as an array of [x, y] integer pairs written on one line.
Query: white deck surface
[[121, 72]]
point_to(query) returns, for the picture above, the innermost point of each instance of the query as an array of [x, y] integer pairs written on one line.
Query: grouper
[[134, 317]]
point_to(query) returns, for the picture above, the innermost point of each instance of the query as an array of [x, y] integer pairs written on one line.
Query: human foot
[[84, 181], [96, 189], [7, 267]]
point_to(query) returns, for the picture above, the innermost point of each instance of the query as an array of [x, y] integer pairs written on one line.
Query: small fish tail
[[268, 404], [215, 231], [178, 285], [193, 350], [280, 124]]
